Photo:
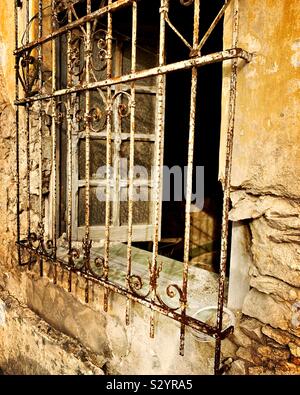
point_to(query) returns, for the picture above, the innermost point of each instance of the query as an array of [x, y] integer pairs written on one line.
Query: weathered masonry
[[97, 269]]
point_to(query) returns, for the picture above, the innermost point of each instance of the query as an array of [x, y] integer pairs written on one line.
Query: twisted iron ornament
[[186, 3], [136, 284], [40, 246], [30, 69], [99, 50]]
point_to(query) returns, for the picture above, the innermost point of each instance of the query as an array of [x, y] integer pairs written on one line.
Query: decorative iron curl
[[76, 68], [122, 108], [47, 248], [39, 246], [172, 290], [99, 50], [136, 284], [32, 240], [98, 264], [79, 115], [97, 119], [186, 3], [29, 73], [86, 266], [74, 255]]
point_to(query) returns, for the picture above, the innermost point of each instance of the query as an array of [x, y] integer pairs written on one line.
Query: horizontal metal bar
[[119, 289], [153, 72], [72, 25], [124, 137], [123, 183]]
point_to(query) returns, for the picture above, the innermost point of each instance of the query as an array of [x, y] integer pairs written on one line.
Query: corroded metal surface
[[198, 61], [226, 187], [131, 158], [192, 122], [89, 56]]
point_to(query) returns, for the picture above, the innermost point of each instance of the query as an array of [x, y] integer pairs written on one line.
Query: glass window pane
[[143, 156], [141, 213], [144, 115], [97, 158], [97, 207]]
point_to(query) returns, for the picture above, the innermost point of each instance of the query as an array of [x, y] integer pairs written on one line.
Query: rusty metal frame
[[36, 246]]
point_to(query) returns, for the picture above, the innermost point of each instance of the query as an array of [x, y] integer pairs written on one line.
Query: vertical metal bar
[[117, 128], [108, 154], [70, 150], [54, 144], [17, 128], [27, 126], [88, 52], [131, 153], [27, 134], [227, 182], [87, 125], [160, 110], [189, 175], [40, 85]]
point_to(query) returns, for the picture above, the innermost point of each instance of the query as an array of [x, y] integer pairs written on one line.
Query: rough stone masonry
[[266, 189], [265, 201]]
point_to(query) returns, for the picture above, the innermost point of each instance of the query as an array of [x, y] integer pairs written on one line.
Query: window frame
[[34, 246]]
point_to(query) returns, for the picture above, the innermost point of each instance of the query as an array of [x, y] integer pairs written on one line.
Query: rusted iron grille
[[54, 105]]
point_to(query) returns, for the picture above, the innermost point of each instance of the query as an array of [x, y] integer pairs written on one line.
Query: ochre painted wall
[[266, 156], [7, 45]]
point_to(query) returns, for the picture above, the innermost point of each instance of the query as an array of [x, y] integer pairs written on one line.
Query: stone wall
[[266, 195], [44, 329]]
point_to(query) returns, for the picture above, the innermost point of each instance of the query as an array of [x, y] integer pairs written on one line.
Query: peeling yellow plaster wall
[[7, 38], [7, 46], [266, 154]]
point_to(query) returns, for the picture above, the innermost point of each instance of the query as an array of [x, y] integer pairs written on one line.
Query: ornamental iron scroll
[[86, 105], [28, 73]]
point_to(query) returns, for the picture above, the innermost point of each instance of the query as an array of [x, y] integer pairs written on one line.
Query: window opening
[[72, 111]]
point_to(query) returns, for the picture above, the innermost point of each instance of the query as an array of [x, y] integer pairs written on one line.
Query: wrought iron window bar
[[34, 247]]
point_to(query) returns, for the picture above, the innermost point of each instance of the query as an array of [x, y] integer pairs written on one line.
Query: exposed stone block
[[247, 355], [295, 350], [28, 345], [259, 371], [273, 354], [278, 335], [274, 227], [238, 367], [287, 368], [264, 308], [252, 328], [239, 338], [228, 348], [271, 285]]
